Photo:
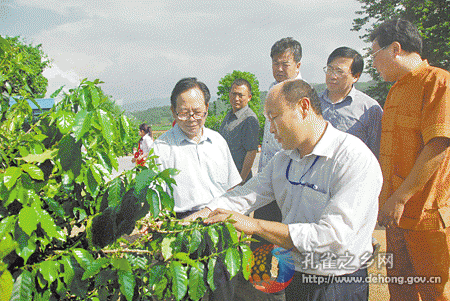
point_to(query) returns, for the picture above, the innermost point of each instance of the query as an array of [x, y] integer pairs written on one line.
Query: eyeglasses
[[183, 116], [330, 70], [372, 55]]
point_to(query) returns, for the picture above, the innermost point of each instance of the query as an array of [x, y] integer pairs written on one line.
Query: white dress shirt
[[207, 169], [335, 213], [270, 145], [146, 144]]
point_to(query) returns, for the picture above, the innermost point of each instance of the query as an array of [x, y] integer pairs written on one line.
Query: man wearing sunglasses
[[326, 183], [415, 159]]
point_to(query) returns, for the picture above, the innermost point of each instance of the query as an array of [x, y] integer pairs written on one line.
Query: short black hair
[[242, 82], [293, 90], [186, 84], [398, 30], [357, 66], [146, 128], [287, 44]]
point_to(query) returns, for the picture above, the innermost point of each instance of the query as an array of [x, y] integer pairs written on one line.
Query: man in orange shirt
[[415, 160]]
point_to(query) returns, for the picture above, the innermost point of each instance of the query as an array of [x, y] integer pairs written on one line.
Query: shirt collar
[[350, 96], [181, 137], [299, 76], [323, 148], [241, 112]]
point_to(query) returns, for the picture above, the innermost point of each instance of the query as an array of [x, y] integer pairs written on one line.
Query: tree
[[62, 217], [432, 18], [32, 61], [214, 120]]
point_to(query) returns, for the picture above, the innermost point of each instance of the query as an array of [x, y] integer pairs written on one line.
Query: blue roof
[[45, 103]]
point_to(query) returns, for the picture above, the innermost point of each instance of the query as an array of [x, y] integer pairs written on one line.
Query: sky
[[140, 49]]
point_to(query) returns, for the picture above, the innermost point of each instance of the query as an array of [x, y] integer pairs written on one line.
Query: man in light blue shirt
[[346, 108]]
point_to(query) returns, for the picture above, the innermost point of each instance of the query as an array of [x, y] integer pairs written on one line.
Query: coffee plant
[[68, 231]]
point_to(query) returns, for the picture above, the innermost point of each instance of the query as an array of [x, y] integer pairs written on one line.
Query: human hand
[[391, 212], [133, 160], [243, 223]]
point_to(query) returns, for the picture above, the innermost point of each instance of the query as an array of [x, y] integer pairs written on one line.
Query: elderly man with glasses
[[206, 167], [326, 183], [201, 155]]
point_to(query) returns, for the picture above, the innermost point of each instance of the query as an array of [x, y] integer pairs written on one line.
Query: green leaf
[[184, 257], [69, 271], [195, 240], [213, 234], [127, 283], [6, 283], [232, 231], [27, 244], [7, 225], [28, 220], [105, 161], [121, 264], [7, 245], [153, 201], [54, 94], [232, 261], [90, 182], [143, 180], [66, 151], [65, 120], [166, 201], [94, 96], [115, 192], [55, 207], [85, 98], [48, 224], [23, 287], [197, 288], [95, 267], [106, 123], [247, 260], [155, 274], [11, 175], [96, 174], [82, 123], [83, 257], [180, 280], [34, 171], [210, 276], [40, 158], [160, 287], [166, 247], [49, 270]]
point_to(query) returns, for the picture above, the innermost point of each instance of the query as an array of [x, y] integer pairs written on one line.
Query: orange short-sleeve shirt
[[417, 109]]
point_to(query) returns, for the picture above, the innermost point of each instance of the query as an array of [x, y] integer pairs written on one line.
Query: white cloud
[[141, 48]]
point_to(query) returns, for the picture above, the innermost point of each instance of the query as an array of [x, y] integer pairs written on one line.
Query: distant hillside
[[144, 105]]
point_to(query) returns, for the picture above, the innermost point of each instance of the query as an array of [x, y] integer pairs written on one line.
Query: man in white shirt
[[286, 57], [206, 167], [202, 156], [326, 183]]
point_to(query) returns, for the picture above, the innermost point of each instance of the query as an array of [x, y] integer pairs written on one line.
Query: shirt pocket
[[315, 202]]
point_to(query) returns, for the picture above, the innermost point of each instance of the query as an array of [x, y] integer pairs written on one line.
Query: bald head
[[294, 90]]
